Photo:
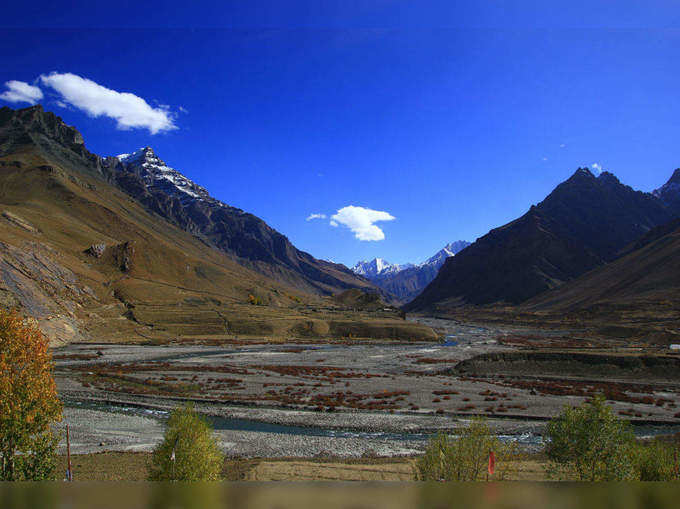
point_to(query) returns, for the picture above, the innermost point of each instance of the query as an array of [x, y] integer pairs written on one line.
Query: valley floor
[[356, 398]]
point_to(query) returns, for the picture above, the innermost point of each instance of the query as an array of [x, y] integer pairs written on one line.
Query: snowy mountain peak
[[450, 249], [380, 266], [406, 281], [669, 193], [157, 174], [142, 154], [376, 267], [673, 185]]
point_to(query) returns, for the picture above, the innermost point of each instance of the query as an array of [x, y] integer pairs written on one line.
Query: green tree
[[188, 451], [591, 443], [28, 401], [464, 458]]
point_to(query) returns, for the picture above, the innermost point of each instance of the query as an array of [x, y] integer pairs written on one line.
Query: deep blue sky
[[454, 120]]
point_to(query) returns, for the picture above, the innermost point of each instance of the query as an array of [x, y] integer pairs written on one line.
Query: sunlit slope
[[91, 263]]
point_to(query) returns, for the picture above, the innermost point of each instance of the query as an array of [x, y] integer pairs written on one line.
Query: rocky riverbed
[[343, 399]]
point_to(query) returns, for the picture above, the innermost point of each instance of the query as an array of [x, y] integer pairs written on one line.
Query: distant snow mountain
[[377, 267], [408, 280], [448, 250]]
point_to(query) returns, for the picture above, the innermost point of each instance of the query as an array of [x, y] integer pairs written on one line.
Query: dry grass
[[133, 466]]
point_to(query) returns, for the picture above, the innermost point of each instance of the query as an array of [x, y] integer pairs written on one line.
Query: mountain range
[[127, 248], [167, 192], [406, 281]]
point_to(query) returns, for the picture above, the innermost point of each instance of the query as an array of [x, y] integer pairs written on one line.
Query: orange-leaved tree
[[28, 401]]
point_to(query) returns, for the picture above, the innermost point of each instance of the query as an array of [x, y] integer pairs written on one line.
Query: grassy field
[[133, 466]]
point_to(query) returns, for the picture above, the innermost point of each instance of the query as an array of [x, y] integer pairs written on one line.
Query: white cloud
[[545, 158], [597, 169], [361, 221], [21, 92], [562, 145], [129, 110], [316, 216]]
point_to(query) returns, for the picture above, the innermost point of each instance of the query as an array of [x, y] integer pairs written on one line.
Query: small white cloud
[[597, 169], [562, 145], [129, 110], [183, 109], [361, 221], [21, 92], [315, 216], [545, 158]]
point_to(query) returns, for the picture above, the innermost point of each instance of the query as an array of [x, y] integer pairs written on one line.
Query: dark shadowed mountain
[[407, 281], [585, 222], [646, 278]]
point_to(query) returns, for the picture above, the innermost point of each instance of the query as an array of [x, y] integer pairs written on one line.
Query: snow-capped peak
[[156, 173], [671, 189], [375, 267], [142, 153], [450, 249], [380, 266]]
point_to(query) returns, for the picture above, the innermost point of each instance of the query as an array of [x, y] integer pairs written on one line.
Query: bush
[[591, 443], [255, 301], [658, 461], [464, 458], [188, 452], [28, 402]]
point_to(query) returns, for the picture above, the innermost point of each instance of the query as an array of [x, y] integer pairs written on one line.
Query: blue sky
[[451, 117]]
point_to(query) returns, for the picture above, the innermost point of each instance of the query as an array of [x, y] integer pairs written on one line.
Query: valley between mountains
[[153, 293]]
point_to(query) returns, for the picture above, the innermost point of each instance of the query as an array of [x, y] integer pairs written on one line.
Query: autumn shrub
[[28, 401], [658, 461], [465, 457], [188, 451], [590, 443]]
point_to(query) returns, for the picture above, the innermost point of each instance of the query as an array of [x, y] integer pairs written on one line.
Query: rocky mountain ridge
[[168, 193], [584, 223]]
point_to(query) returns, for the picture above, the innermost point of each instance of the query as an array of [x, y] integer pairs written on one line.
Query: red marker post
[[492, 464]]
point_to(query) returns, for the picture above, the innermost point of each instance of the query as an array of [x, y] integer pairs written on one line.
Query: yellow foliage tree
[[28, 401]]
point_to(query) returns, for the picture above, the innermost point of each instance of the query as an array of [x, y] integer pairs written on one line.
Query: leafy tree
[[464, 458], [28, 401], [592, 443], [188, 451]]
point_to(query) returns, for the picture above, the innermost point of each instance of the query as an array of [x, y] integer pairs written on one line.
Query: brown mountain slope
[[91, 263], [645, 278], [241, 235]]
